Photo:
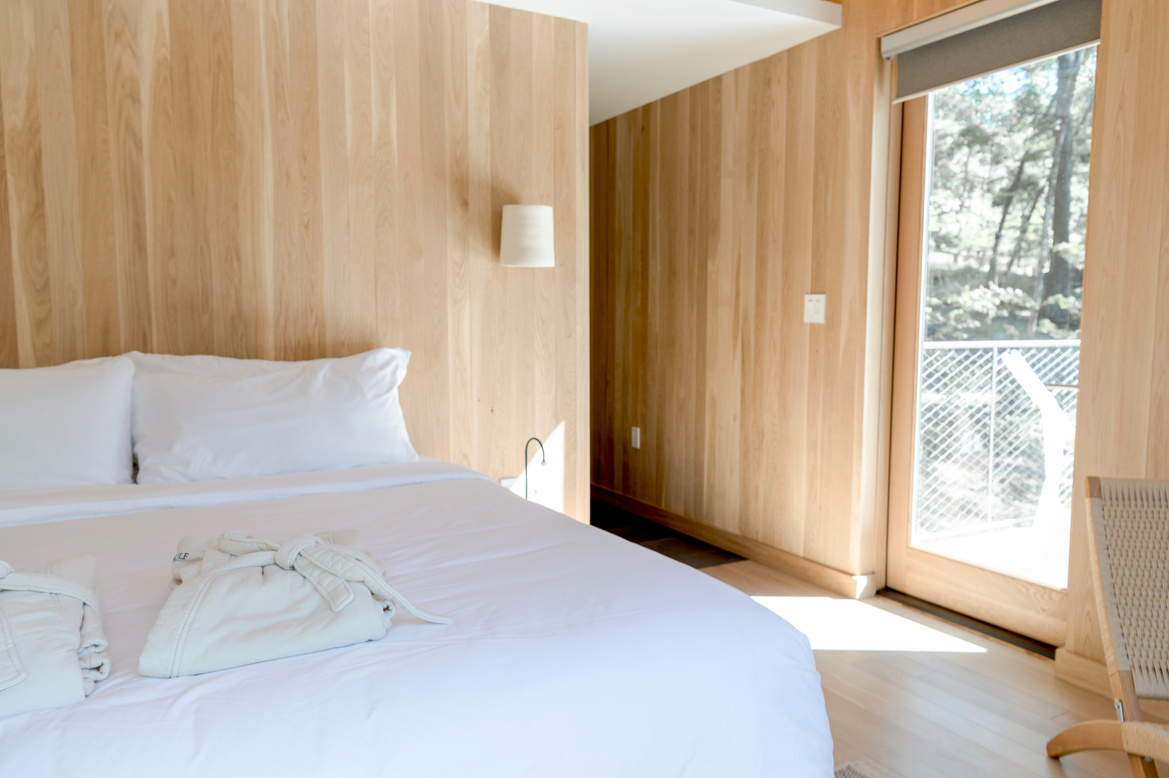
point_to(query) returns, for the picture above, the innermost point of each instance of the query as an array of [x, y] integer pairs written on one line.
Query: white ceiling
[[642, 50]]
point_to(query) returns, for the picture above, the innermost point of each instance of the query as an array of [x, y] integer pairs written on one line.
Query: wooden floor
[[658, 537], [924, 714]]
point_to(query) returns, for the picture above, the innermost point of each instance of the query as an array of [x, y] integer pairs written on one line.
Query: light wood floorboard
[[927, 714]]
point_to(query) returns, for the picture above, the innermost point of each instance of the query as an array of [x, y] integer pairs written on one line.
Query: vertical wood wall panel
[[253, 138], [98, 247], [127, 192], [59, 167], [26, 198], [340, 261], [480, 216], [192, 79], [161, 177], [9, 343], [455, 86], [292, 180]]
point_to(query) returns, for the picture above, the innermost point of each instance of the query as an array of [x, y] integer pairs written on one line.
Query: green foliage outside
[[1009, 201]]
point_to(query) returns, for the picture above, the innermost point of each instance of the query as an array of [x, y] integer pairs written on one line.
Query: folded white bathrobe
[[52, 650], [238, 600]]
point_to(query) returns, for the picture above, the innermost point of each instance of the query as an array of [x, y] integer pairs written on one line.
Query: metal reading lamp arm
[[543, 461]]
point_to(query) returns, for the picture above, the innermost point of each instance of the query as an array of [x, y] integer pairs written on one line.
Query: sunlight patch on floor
[[853, 625]]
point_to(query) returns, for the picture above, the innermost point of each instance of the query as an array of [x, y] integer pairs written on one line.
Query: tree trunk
[[1058, 280], [1024, 224], [992, 272], [1044, 255]]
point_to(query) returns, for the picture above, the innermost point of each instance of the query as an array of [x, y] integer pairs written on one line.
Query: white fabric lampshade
[[527, 238]]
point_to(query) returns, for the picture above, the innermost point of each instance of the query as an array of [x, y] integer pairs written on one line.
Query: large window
[[1003, 283]]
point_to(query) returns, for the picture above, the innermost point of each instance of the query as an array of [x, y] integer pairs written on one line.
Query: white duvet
[[572, 653]]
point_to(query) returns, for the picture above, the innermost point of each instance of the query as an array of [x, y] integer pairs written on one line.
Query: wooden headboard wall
[[291, 180]]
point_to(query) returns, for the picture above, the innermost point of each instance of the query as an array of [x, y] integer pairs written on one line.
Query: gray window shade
[[1040, 32]]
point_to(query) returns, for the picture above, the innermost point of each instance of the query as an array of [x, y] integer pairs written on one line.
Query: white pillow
[[66, 426], [203, 418], [204, 364]]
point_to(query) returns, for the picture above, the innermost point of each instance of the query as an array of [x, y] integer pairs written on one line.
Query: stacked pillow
[[66, 426], [202, 418], [199, 418]]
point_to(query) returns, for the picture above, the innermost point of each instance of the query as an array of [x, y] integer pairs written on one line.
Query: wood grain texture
[[1122, 419], [9, 344], [714, 211], [291, 180]]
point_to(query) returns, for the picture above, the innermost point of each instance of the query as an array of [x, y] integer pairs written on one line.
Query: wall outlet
[[635, 437], [815, 308]]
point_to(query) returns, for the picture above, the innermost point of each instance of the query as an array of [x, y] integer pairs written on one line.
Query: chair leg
[[1098, 736], [1089, 736], [1141, 768]]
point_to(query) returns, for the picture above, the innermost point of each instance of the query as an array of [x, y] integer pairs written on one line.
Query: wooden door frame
[[1030, 609]]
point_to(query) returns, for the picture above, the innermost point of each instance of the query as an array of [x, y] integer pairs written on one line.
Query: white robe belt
[[52, 649], [239, 600]]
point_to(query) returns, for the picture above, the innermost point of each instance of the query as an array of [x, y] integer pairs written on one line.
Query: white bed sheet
[[573, 652], [37, 505]]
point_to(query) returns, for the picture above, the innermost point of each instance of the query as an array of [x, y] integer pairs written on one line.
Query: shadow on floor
[[657, 537]]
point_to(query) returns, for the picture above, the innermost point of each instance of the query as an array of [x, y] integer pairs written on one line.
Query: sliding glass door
[[990, 278]]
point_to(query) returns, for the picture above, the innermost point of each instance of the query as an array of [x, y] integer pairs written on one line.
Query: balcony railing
[[985, 450]]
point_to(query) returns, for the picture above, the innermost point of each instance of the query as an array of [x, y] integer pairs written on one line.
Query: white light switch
[[635, 437], [815, 308]]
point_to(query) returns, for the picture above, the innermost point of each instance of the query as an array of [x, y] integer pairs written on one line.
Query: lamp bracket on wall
[[543, 461]]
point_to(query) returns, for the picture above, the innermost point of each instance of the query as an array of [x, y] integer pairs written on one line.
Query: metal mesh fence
[[980, 457]]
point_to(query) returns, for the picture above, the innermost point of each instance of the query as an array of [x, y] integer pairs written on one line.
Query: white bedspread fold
[[52, 649], [238, 600]]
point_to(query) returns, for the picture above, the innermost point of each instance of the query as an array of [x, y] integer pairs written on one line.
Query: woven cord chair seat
[[1134, 517]]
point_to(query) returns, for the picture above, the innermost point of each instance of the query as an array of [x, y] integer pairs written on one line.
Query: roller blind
[[1003, 41]]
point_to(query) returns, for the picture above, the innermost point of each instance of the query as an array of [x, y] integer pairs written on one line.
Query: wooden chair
[[1128, 534]]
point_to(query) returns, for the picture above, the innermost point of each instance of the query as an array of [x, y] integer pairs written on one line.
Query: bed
[[572, 652]]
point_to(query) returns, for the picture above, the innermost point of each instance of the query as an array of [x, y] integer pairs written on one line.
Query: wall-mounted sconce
[[527, 238]]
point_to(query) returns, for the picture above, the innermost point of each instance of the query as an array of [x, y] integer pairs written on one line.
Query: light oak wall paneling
[[714, 211], [879, 376], [9, 343], [25, 184], [59, 168], [574, 167], [125, 78], [1122, 424], [98, 246], [290, 180]]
